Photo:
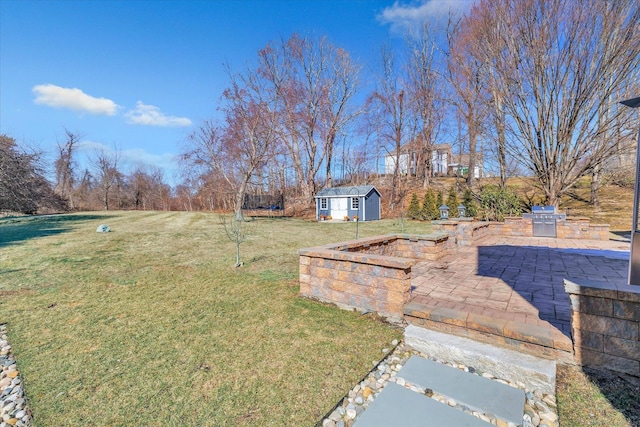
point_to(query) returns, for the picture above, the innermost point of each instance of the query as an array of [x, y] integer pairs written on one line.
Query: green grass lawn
[[151, 324]]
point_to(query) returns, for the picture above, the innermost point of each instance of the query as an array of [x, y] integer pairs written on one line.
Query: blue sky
[[139, 75]]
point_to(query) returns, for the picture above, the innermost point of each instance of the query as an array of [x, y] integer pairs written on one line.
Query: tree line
[[530, 86]]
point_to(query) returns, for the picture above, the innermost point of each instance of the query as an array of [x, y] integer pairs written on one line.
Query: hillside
[[615, 209]]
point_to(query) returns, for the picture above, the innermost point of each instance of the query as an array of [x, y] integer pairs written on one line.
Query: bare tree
[[65, 166], [84, 191], [147, 187], [389, 111], [424, 85], [237, 231], [250, 136], [487, 48], [314, 83], [238, 150], [105, 164], [23, 187], [559, 65], [464, 71]]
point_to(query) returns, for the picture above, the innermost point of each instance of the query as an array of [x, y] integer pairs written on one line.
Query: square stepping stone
[[398, 406], [478, 393]]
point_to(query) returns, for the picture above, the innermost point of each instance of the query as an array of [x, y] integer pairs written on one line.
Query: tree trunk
[[596, 182], [428, 166], [330, 142], [473, 139], [240, 197], [500, 128]]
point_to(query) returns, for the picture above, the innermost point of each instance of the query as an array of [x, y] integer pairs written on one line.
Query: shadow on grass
[[19, 229], [624, 235], [267, 217], [589, 397], [620, 390]]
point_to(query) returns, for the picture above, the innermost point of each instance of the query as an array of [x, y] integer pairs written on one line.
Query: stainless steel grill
[[544, 220]]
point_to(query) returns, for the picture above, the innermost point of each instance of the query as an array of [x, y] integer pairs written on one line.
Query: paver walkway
[[518, 279]]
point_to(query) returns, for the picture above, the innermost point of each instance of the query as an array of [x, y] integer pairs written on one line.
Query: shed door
[[339, 208]]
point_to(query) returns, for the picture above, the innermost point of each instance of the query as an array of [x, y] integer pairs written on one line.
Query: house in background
[[440, 159], [362, 201], [443, 162], [459, 165]]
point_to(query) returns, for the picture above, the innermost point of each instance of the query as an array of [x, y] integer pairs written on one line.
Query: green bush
[[470, 203], [452, 202], [496, 203], [413, 211], [430, 206]]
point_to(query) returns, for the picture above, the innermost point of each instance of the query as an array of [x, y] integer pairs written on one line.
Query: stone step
[[399, 406], [477, 393], [538, 337], [535, 373]]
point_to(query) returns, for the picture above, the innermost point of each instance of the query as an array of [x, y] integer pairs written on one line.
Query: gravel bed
[[540, 409], [13, 403]]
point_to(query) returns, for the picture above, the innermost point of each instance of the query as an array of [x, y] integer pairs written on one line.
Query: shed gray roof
[[360, 190]]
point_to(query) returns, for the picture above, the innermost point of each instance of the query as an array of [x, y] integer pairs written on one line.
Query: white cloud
[[151, 115], [403, 17], [73, 99]]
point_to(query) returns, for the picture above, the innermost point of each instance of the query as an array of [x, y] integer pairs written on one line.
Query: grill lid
[[543, 209]]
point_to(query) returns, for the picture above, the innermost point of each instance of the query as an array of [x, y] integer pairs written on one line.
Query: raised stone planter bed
[[372, 274]]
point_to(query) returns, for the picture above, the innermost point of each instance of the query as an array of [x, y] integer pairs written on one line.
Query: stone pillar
[[605, 324]]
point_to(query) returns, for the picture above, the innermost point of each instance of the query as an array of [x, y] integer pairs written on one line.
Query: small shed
[[361, 201]]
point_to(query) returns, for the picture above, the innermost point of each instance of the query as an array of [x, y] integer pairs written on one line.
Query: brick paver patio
[[506, 282]]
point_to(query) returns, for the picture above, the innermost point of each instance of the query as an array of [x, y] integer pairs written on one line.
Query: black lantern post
[[444, 212], [462, 211], [634, 259]]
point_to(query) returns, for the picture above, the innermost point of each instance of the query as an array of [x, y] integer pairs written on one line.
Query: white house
[[407, 161], [443, 162]]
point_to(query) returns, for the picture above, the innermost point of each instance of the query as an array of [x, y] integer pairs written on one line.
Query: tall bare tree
[[105, 164], [424, 84], [315, 83], [487, 48], [245, 143], [464, 71], [65, 166], [389, 112], [560, 65]]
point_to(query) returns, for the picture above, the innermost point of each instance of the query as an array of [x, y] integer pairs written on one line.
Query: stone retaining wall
[[372, 274], [466, 230], [605, 324]]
